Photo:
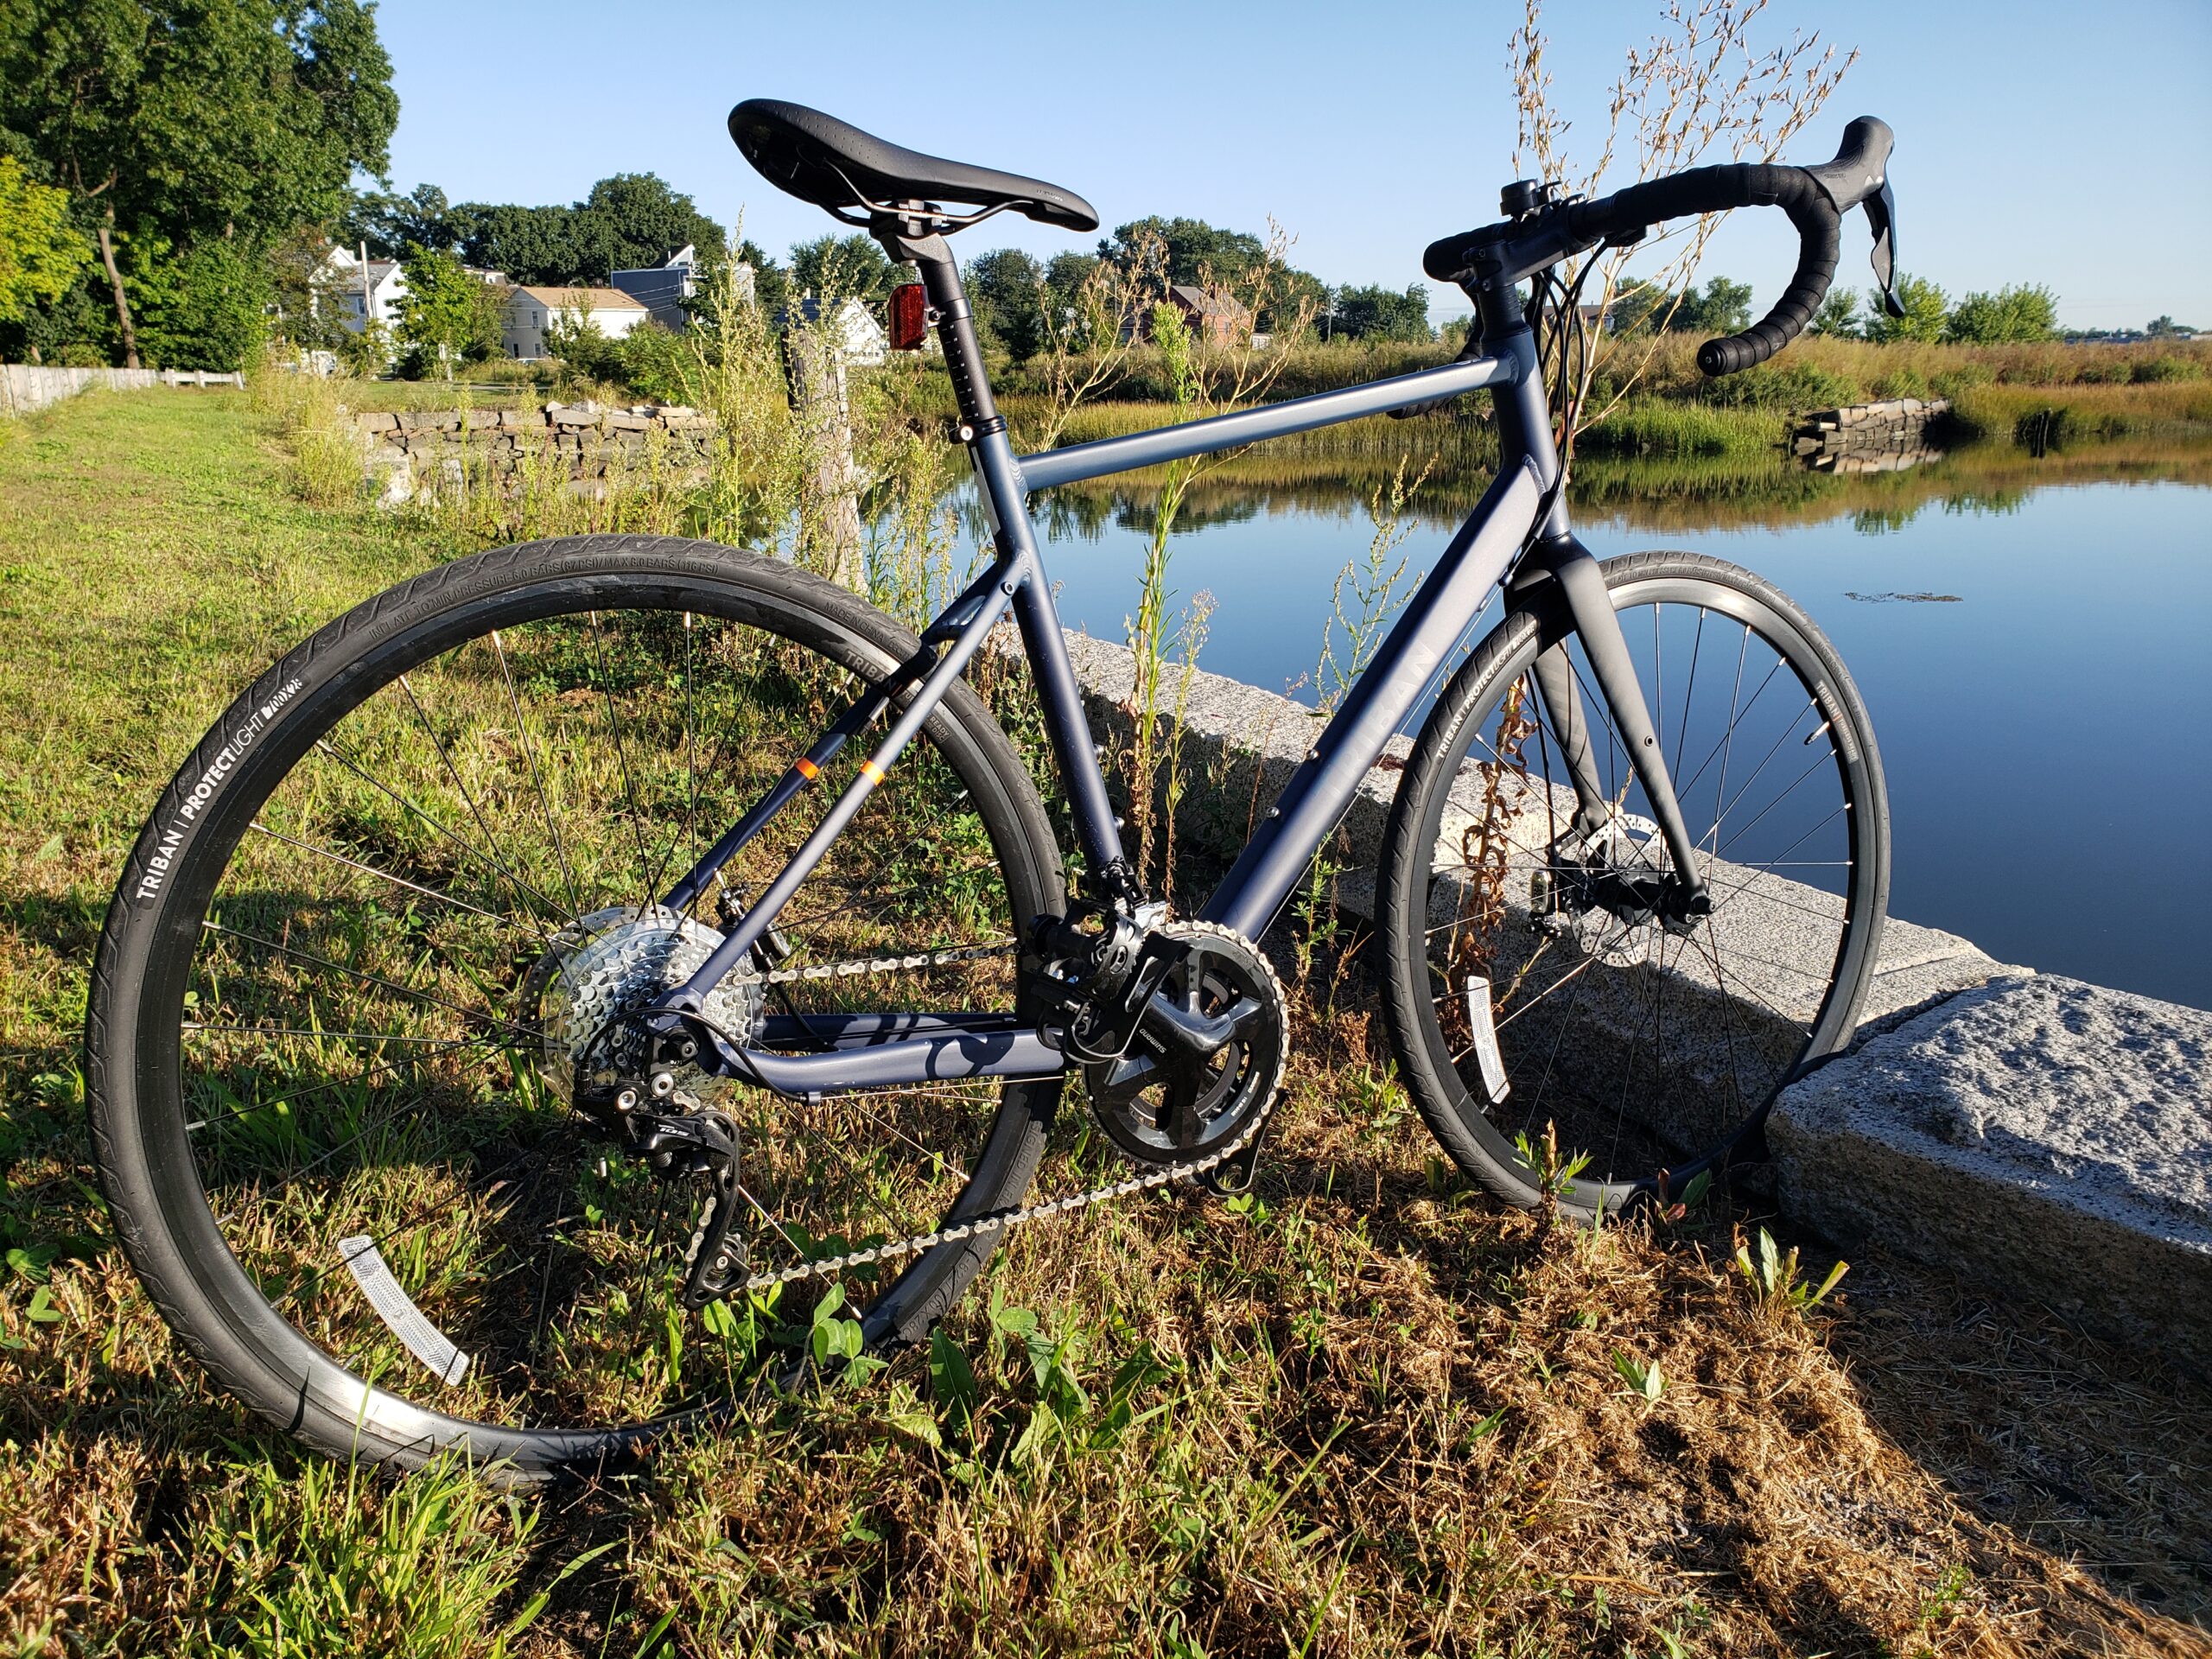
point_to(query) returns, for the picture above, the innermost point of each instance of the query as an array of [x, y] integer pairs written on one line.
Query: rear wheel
[[402, 883], [1554, 1034]]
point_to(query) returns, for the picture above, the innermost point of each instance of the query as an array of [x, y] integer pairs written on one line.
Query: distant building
[[860, 331], [663, 288], [363, 294], [529, 311], [1218, 319], [370, 291]]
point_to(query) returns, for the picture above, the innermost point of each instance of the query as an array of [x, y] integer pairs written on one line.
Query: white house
[[363, 293], [529, 312], [860, 331], [369, 291], [663, 288]]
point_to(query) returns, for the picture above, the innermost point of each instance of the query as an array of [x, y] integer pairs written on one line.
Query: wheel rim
[[351, 1057], [1635, 1060]]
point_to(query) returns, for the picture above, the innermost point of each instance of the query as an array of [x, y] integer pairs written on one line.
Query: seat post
[[956, 329]]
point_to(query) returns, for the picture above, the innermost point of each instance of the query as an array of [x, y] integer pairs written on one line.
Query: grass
[[1363, 1413]]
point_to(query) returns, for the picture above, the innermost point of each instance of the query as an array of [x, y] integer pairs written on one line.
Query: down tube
[[1321, 789]]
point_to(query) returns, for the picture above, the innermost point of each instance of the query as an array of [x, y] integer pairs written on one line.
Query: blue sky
[[2065, 144]]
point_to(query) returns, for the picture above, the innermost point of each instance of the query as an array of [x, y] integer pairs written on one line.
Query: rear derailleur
[[684, 1146]]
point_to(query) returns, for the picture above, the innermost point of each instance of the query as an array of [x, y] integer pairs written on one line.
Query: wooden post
[[829, 504]]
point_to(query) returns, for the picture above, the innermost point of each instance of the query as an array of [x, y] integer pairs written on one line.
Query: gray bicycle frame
[[1523, 512]]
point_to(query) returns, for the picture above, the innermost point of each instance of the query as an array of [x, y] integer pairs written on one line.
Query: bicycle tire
[[159, 920], [1558, 1067]]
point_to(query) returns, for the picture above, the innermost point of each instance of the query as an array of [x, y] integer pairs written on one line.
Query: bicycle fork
[[1578, 585]]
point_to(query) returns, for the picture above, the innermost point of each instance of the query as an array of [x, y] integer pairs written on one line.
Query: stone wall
[[1869, 437], [420, 450], [27, 387]]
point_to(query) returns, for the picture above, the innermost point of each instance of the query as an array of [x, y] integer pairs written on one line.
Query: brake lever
[[1881, 215]]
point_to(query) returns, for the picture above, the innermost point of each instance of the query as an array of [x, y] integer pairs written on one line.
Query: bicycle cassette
[[605, 967], [1208, 1054]]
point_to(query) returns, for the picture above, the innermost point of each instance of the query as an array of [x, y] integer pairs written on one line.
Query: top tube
[[1105, 455]]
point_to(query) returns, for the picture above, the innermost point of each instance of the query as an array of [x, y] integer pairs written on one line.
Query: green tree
[[845, 267], [446, 314], [1380, 314], [530, 245], [1005, 288], [1926, 309], [1199, 253], [205, 308], [2019, 311], [635, 219], [41, 253], [1724, 308], [389, 223], [1837, 315], [194, 120]]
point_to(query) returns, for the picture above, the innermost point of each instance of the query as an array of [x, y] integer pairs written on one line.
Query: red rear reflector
[[910, 325]]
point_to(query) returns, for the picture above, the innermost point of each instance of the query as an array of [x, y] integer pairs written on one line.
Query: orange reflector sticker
[[806, 769], [874, 772]]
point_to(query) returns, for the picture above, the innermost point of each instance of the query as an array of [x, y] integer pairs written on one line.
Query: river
[[2034, 643]]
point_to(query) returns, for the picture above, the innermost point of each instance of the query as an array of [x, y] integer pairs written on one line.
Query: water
[[2047, 731]]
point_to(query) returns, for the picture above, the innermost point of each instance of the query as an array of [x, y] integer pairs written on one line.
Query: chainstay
[[1020, 1216]]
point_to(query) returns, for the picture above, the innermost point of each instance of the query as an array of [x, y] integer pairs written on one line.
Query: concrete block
[[2049, 1138]]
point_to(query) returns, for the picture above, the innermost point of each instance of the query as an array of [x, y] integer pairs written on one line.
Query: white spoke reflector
[[1486, 1054], [397, 1310]]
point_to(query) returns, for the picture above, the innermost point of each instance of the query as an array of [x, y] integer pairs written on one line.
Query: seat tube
[[999, 480]]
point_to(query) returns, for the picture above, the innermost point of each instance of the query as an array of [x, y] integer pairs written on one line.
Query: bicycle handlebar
[[1815, 198]]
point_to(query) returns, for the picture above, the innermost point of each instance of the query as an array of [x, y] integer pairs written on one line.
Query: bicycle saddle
[[823, 160]]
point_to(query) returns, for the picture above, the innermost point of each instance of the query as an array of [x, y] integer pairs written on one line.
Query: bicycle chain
[[1019, 1216]]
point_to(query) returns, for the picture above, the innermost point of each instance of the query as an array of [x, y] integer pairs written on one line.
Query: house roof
[[1206, 303], [599, 299]]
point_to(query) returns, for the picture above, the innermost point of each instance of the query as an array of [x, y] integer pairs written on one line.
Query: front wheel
[[1557, 1035]]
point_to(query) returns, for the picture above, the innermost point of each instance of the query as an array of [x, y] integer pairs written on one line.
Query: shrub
[[1781, 385], [2148, 370]]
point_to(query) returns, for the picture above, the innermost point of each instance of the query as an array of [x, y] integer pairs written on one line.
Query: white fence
[[25, 386]]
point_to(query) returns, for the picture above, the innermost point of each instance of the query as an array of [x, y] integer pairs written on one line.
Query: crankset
[[1205, 1052]]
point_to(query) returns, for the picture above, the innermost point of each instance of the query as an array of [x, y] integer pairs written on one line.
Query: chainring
[[1163, 1102], [606, 966]]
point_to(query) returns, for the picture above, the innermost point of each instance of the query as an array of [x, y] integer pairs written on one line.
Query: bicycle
[[537, 970]]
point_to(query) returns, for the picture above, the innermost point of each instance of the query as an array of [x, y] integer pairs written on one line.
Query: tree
[[1837, 315], [41, 251], [2016, 312], [1380, 314], [844, 267], [635, 219], [1198, 253], [446, 313], [530, 244], [1005, 288], [390, 224], [1926, 309], [1725, 307], [205, 308], [194, 120]]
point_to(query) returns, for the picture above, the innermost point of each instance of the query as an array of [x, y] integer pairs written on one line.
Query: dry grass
[[1366, 1413]]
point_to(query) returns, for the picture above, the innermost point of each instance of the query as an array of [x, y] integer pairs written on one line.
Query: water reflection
[[2034, 656]]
